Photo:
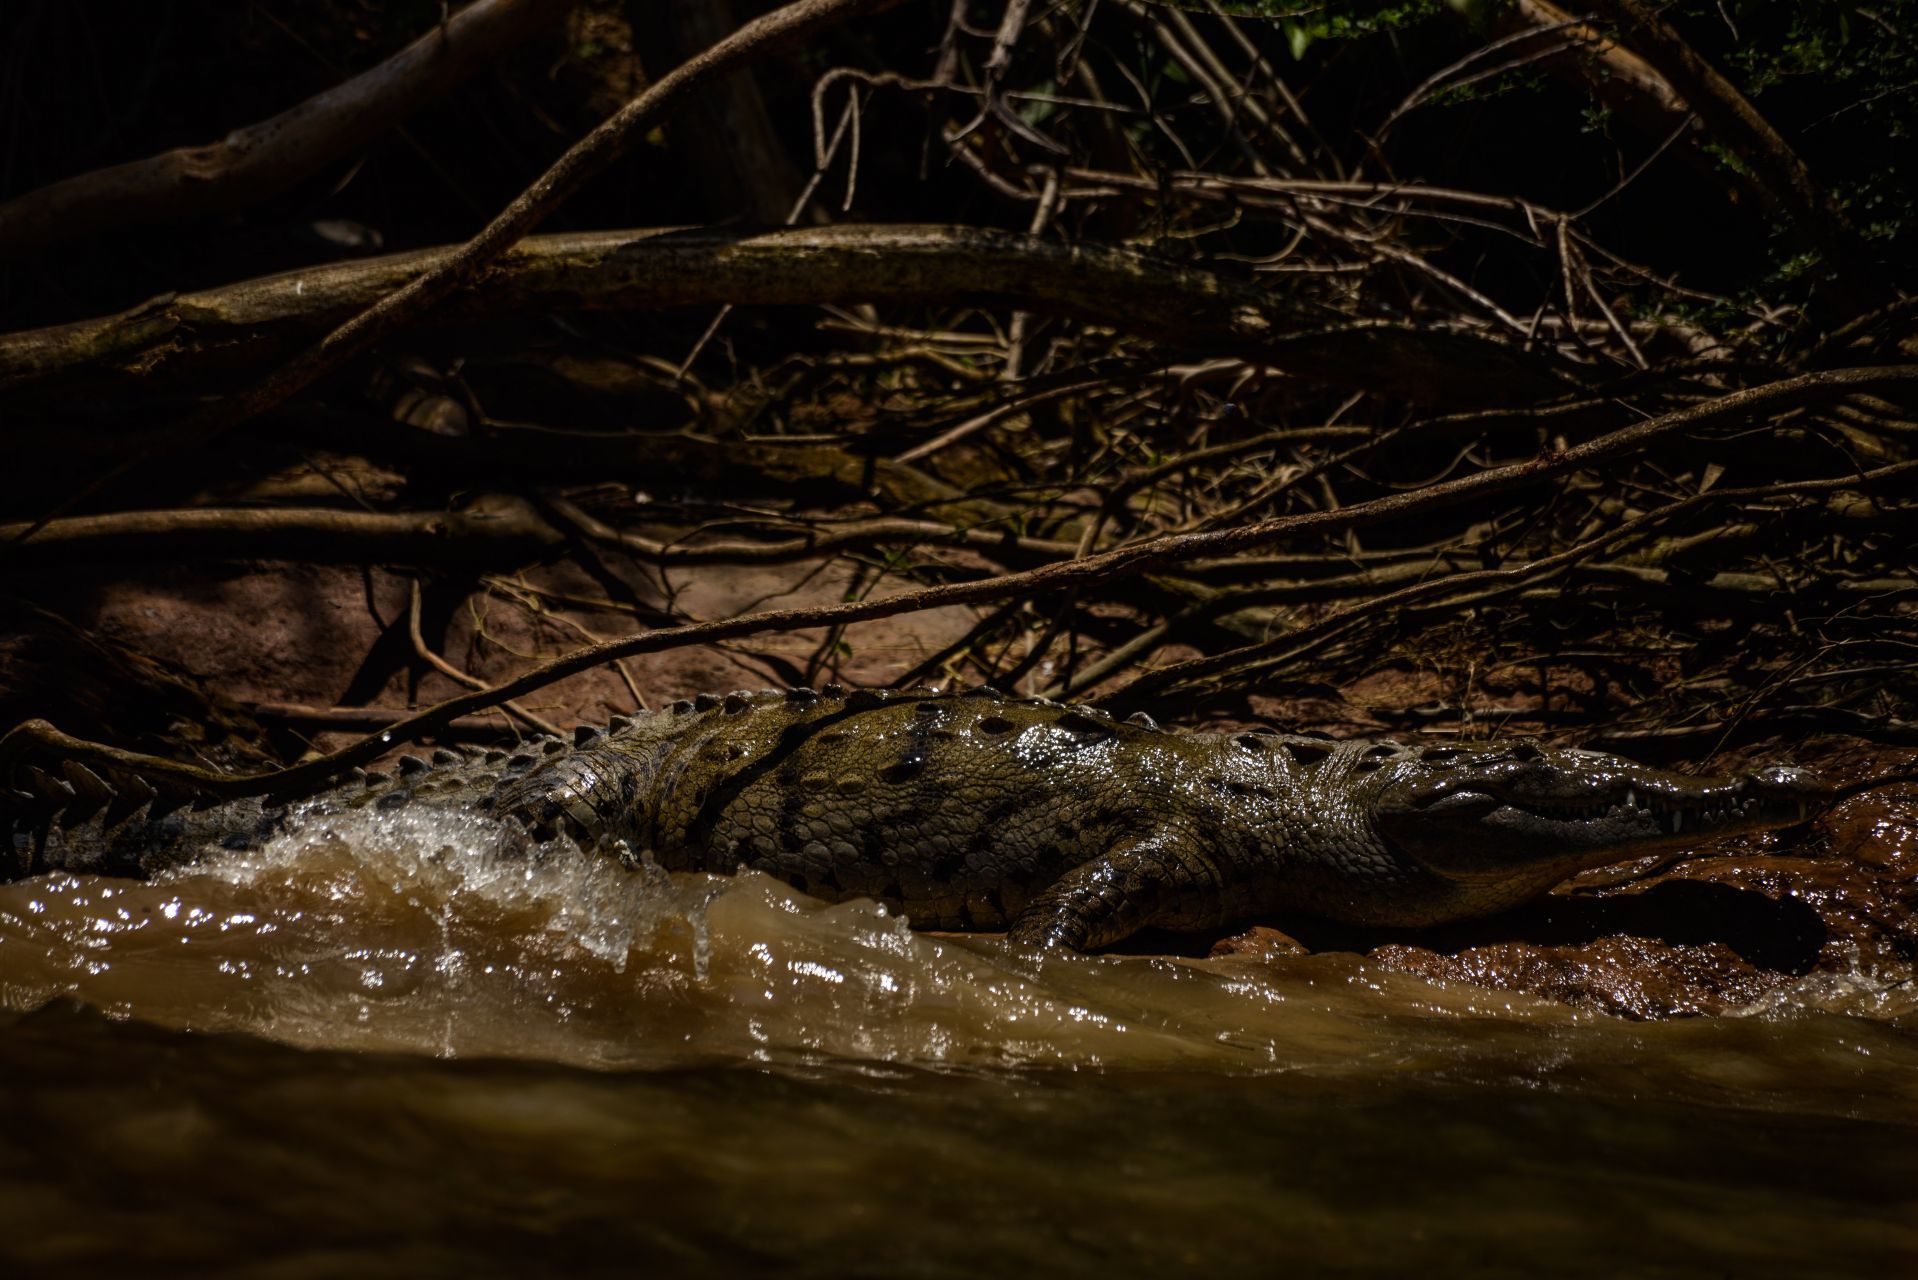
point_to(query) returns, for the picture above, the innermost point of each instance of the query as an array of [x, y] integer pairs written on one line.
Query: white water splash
[[439, 933]]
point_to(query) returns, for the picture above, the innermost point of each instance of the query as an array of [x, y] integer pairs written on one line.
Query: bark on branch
[[485, 532], [493, 530], [260, 160], [1182, 306], [1624, 78]]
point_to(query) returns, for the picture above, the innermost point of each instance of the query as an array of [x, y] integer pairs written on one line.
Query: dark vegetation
[[1416, 366]]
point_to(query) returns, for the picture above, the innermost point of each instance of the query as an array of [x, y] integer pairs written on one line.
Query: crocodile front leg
[[1162, 882]]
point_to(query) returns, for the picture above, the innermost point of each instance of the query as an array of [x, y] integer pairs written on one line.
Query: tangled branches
[[1212, 399]]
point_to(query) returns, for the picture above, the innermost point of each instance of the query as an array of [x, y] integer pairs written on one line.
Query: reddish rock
[[1261, 942]]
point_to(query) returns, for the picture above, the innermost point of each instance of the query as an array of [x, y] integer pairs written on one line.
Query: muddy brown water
[[380, 1048]]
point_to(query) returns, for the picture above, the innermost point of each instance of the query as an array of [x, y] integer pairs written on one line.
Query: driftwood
[[493, 530], [261, 160], [1182, 306]]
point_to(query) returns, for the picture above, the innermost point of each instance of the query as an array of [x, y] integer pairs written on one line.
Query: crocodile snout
[[1788, 787]]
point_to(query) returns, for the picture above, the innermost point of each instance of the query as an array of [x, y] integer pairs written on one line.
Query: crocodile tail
[[60, 814], [600, 793]]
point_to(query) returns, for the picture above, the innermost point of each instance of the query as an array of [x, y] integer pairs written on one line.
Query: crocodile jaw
[[1497, 816]]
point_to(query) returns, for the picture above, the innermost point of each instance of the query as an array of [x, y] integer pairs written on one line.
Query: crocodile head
[[1508, 822]]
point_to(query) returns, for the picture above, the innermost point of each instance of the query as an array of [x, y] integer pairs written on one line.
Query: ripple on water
[[419, 932]]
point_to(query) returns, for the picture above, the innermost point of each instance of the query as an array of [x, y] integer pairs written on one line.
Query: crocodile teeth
[[134, 795], [1631, 798], [88, 784], [170, 794], [90, 794], [58, 790]]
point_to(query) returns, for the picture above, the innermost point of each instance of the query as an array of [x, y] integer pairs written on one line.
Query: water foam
[[440, 932]]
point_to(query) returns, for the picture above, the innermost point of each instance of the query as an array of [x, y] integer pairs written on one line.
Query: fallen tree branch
[[1477, 585], [1716, 593], [585, 159], [462, 678], [300, 715], [38, 735], [260, 160], [1808, 718], [830, 540], [827, 473], [482, 532], [492, 530], [1185, 307], [1614, 72]]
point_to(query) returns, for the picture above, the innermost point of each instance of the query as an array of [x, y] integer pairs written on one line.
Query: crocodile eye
[[1440, 755], [1525, 751], [1308, 750]]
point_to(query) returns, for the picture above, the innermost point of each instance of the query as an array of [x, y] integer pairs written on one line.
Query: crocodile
[[973, 811]]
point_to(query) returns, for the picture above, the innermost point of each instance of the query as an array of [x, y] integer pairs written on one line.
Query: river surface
[[382, 1048]]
